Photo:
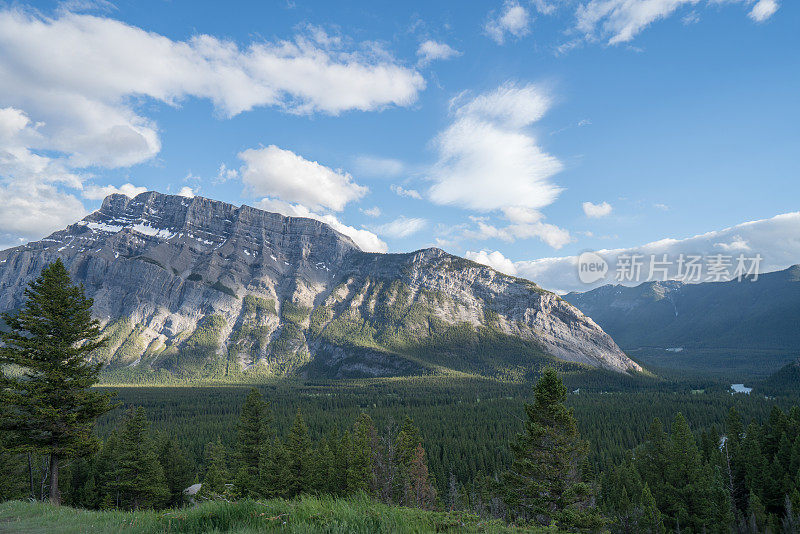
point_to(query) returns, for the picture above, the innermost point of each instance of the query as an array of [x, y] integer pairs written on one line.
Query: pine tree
[[273, 470], [139, 476], [216, 476], [51, 407], [360, 470], [423, 494], [300, 468], [544, 482], [253, 436], [178, 469], [651, 522], [405, 450]]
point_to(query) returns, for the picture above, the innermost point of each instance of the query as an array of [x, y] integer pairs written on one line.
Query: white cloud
[[487, 160], [737, 244], [378, 167], [95, 192], [596, 211], [282, 174], [364, 239], [224, 174], [35, 210], [433, 50], [403, 192], [495, 260], [763, 10], [544, 7], [186, 191], [402, 227], [74, 87], [619, 21], [513, 19], [374, 211], [777, 240], [551, 234]]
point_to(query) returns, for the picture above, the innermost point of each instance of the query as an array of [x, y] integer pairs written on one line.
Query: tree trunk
[[55, 495]]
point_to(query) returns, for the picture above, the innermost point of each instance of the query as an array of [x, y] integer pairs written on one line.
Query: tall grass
[[303, 515]]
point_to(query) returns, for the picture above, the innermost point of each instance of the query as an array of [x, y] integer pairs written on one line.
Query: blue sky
[[482, 127]]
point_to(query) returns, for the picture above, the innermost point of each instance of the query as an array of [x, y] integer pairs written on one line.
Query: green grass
[[306, 514]]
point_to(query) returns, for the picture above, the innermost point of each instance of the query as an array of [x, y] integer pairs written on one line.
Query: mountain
[[197, 286], [761, 314], [785, 381]]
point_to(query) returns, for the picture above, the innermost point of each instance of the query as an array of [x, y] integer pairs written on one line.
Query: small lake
[[741, 388]]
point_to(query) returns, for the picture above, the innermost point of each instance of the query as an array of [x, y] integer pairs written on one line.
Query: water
[[740, 388]]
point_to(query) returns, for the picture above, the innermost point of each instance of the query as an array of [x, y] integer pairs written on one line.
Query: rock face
[[200, 286]]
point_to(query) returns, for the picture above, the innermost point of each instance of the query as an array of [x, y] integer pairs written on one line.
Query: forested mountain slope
[[761, 314], [197, 286]]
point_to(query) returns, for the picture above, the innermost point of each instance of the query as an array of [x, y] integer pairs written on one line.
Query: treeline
[[747, 480], [134, 469]]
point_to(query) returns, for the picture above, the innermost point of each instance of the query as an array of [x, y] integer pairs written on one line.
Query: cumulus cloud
[[619, 21], [403, 192], [512, 19], [282, 174], [596, 211], [364, 239], [95, 192], [74, 85], [402, 227], [495, 260], [186, 191], [433, 50], [777, 240], [34, 210], [489, 161], [763, 10]]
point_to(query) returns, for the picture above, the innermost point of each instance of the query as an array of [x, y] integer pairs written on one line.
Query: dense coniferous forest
[[584, 451]]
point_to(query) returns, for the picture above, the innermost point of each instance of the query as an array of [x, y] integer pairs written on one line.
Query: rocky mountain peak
[[194, 285]]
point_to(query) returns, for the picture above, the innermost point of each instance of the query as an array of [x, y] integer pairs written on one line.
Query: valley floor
[[303, 515]]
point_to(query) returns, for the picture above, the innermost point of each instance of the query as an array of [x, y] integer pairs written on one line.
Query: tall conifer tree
[[51, 407], [544, 483]]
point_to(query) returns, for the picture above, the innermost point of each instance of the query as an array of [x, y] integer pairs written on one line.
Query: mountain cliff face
[[199, 286], [759, 314]]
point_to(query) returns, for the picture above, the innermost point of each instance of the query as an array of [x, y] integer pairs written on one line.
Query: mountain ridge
[[197, 284], [755, 314]]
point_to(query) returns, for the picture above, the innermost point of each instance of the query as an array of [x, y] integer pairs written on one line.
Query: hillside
[[199, 287], [761, 314]]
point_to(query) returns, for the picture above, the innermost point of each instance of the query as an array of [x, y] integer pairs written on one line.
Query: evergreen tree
[[405, 450], [360, 469], [422, 492], [178, 469], [216, 475], [139, 477], [651, 522], [51, 408], [253, 436], [300, 468], [544, 482], [272, 470]]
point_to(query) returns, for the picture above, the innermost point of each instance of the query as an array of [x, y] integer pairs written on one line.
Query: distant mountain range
[[759, 314], [199, 287]]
